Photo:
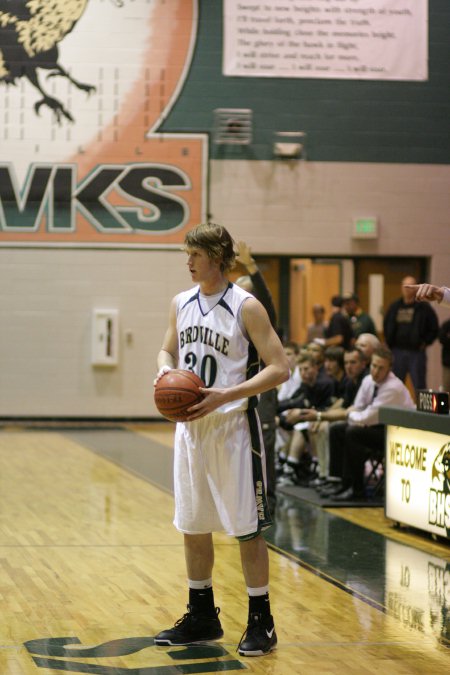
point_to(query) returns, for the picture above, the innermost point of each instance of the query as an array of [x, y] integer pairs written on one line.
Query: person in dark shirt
[[317, 351], [314, 392], [339, 331], [361, 321], [334, 368], [255, 284], [356, 367], [409, 328], [444, 339]]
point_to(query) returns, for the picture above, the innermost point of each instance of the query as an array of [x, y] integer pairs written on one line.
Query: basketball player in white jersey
[[219, 331]]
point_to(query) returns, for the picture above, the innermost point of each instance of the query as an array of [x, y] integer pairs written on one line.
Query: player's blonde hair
[[215, 240]]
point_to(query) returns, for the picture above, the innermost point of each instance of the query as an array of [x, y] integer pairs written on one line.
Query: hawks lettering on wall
[[52, 191]]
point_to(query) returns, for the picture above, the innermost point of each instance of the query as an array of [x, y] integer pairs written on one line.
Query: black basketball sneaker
[[193, 627], [259, 637]]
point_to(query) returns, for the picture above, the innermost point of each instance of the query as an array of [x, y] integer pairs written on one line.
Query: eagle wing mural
[[30, 32]]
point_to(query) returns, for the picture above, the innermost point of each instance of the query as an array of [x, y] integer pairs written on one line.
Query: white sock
[[198, 585], [257, 591]]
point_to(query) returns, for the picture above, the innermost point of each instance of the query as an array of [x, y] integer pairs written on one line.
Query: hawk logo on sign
[[441, 468], [439, 499], [109, 177]]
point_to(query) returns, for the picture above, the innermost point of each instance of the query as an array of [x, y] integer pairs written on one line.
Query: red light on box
[[432, 401]]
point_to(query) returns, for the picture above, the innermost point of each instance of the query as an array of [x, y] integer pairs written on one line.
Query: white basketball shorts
[[220, 475]]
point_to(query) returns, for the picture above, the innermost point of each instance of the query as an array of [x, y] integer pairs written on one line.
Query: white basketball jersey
[[211, 341]]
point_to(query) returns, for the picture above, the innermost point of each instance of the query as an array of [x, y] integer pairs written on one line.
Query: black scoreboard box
[[432, 401]]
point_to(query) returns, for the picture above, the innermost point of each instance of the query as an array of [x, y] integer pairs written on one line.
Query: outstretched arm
[[260, 288], [429, 292]]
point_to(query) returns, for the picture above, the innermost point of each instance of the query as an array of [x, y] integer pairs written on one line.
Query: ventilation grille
[[232, 126]]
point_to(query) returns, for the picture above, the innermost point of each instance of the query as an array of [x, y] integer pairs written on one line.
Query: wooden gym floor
[[91, 568]]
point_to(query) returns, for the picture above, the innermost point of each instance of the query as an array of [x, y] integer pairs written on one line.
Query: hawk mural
[[84, 87], [30, 32]]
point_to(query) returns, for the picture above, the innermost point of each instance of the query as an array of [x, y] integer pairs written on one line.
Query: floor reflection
[[406, 583], [417, 587]]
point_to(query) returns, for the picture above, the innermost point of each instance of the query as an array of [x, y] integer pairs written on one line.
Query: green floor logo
[[44, 653]]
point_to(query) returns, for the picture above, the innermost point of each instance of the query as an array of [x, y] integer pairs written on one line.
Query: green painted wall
[[346, 120]]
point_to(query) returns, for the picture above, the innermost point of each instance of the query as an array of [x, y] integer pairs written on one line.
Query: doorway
[[297, 283], [311, 282]]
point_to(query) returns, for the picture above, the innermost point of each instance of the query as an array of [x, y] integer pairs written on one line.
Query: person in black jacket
[[339, 331], [254, 283], [409, 328], [444, 339]]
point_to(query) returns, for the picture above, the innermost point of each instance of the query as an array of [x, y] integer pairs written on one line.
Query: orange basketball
[[175, 392]]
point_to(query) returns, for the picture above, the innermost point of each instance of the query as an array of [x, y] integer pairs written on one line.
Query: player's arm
[[268, 346], [271, 352], [168, 354]]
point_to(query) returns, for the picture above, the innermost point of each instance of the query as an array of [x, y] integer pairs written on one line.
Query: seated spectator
[[339, 331], [319, 325], [285, 391], [360, 321], [317, 351], [288, 388], [356, 368], [314, 392], [363, 435], [334, 368], [367, 343]]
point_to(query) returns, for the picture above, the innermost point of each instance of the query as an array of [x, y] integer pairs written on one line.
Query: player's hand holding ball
[[160, 373], [176, 391]]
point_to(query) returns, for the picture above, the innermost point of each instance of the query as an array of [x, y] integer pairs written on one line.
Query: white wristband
[[161, 372]]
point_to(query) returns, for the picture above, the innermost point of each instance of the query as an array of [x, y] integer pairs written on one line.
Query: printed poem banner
[[345, 39]]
